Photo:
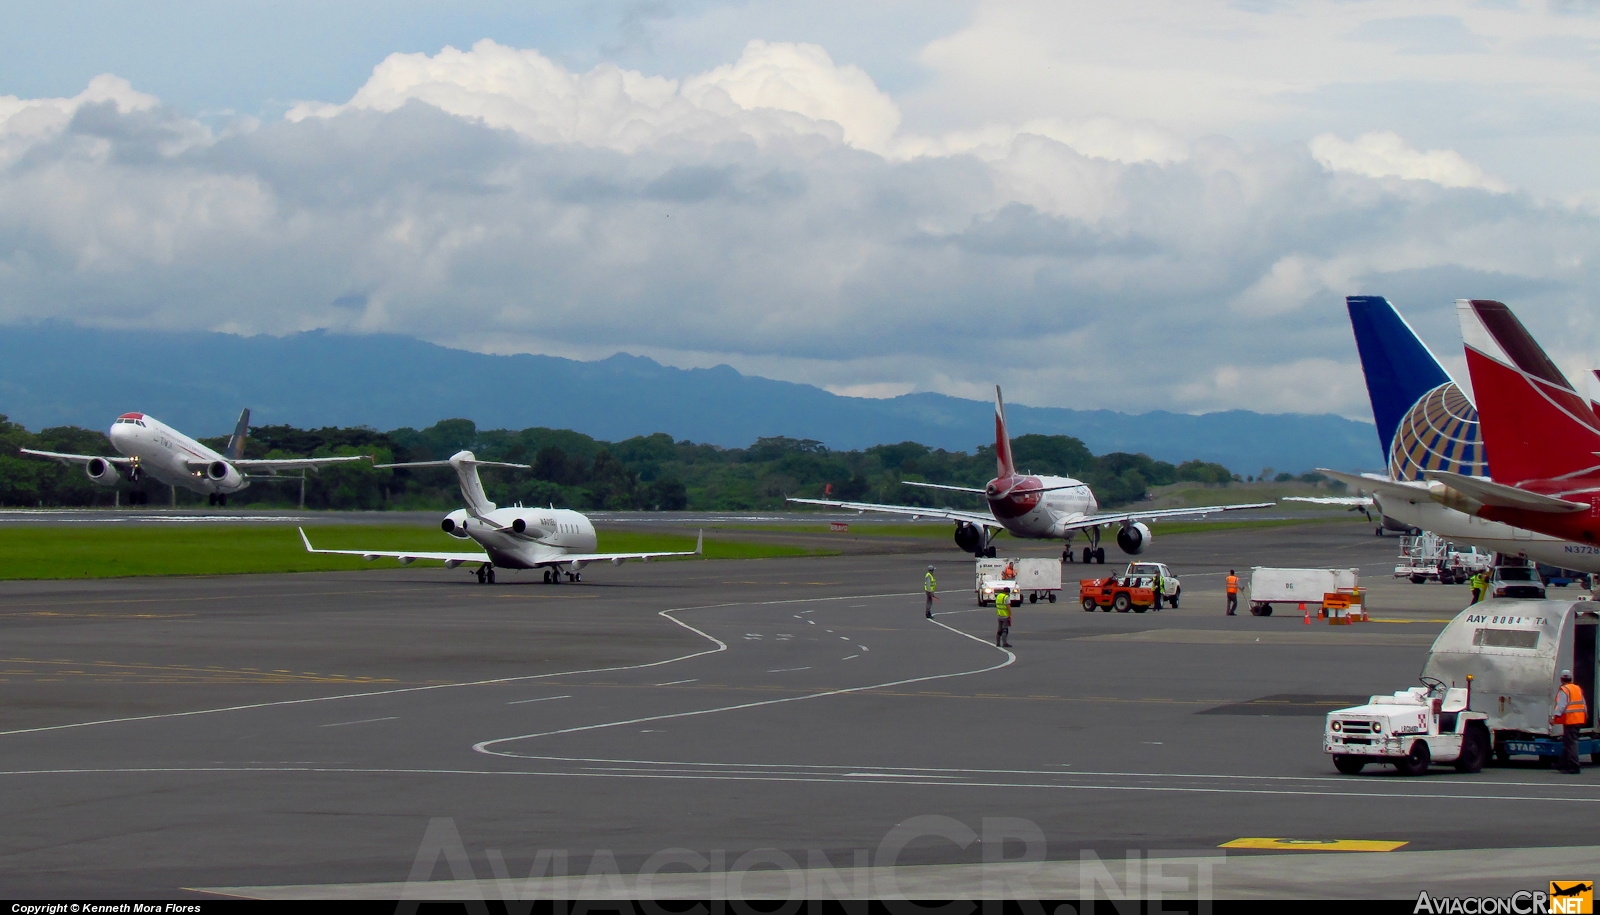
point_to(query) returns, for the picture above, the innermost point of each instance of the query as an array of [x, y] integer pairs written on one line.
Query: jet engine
[[223, 474], [1134, 538], [455, 524], [521, 526], [102, 472], [969, 537]]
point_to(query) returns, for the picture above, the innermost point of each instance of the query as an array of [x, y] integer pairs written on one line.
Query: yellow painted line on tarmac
[[1425, 620], [1314, 844]]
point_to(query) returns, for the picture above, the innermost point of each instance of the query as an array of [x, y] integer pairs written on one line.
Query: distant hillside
[[55, 374]]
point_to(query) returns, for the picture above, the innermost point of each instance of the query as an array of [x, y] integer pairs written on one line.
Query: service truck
[[1294, 586], [1488, 688], [1034, 578], [1147, 571]]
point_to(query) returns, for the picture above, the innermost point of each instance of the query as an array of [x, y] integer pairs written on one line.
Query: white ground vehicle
[[1170, 586], [1292, 586], [1412, 729], [1033, 578], [1429, 557], [1489, 687], [1517, 581]]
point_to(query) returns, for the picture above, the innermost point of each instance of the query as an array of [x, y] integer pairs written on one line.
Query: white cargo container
[[1291, 586], [1034, 578]]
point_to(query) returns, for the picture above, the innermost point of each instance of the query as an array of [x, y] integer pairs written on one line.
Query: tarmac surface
[[756, 727]]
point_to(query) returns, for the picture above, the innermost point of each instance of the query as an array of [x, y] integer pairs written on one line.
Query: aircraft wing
[[119, 460], [1348, 501], [1157, 514], [946, 514], [276, 464], [1380, 485], [406, 557], [699, 548]]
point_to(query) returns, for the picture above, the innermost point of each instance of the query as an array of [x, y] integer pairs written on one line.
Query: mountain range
[[58, 374]]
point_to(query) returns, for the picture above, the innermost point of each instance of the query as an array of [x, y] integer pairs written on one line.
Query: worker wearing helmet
[[1002, 610], [929, 585], [1572, 713]]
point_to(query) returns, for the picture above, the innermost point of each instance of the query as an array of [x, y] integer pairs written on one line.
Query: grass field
[[115, 551]]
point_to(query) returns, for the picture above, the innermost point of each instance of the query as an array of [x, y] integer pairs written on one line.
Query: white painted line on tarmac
[[784, 670], [676, 682], [922, 780], [849, 656], [667, 614], [340, 724], [483, 746], [540, 699]]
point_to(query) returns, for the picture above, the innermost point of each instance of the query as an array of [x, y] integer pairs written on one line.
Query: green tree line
[[573, 470]]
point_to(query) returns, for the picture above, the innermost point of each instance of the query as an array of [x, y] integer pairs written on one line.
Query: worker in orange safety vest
[[1572, 713], [1233, 592]]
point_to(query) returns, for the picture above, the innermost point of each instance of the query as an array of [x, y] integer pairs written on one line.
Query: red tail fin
[[1002, 439], [1535, 425]]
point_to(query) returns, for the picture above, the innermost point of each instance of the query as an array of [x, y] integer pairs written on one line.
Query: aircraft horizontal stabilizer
[[1349, 501], [1503, 496]]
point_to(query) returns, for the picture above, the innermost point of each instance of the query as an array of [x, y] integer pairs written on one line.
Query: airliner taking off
[[147, 445], [1036, 508], [558, 540]]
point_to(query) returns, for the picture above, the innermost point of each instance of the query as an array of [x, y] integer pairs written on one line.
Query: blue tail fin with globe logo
[[1425, 421]]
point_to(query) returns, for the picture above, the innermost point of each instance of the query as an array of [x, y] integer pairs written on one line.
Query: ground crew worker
[[1478, 583], [1570, 712], [1233, 592], [1002, 609], [1155, 585], [928, 587]]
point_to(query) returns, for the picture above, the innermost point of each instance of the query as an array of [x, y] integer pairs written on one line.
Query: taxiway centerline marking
[[721, 646], [340, 724], [840, 779], [482, 746]]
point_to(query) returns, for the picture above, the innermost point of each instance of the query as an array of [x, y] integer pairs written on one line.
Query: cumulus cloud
[[774, 213], [1385, 155]]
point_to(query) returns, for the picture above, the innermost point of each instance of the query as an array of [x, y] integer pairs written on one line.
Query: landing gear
[[217, 500], [546, 576], [1066, 554], [1088, 555], [988, 552], [486, 574]]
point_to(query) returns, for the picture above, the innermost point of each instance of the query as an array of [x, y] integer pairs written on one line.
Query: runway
[[282, 736]]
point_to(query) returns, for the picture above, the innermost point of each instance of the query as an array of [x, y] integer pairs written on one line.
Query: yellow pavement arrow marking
[[1314, 844]]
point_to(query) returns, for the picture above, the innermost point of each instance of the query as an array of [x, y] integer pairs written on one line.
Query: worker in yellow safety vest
[[1572, 713], [929, 585], [1002, 609], [1233, 592]]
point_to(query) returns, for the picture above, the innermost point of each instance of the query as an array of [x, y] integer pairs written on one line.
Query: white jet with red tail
[[1036, 507]]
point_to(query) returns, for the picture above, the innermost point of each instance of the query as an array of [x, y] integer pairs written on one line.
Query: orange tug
[[1109, 594]]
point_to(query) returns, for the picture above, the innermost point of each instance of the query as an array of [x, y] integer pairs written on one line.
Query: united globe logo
[[1439, 433]]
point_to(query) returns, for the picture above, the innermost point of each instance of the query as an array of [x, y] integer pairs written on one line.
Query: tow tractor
[[1488, 690], [1412, 729], [1116, 594]]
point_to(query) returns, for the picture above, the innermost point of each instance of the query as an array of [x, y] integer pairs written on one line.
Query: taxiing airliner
[[1036, 508], [558, 540], [147, 445]]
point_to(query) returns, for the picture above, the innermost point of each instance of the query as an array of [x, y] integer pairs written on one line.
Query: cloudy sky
[[1135, 205]]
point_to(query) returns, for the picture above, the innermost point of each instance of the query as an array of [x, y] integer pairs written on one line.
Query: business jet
[[1036, 508], [148, 446], [1427, 426], [557, 540]]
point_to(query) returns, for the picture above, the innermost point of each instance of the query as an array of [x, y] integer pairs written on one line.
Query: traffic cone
[[1307, 612]]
